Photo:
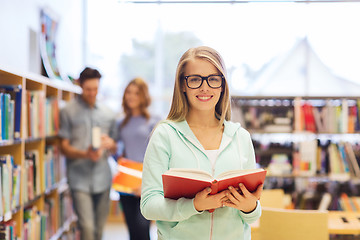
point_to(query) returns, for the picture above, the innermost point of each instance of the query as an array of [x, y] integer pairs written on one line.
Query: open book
[[129, 176], [183, 182]]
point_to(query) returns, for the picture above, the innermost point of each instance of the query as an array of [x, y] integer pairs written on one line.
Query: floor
[[118, 231]]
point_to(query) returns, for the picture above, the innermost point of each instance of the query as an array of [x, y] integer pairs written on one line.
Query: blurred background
[[270, 47]]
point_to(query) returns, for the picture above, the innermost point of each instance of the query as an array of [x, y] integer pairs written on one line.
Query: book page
[[190, 173], [234, 173]]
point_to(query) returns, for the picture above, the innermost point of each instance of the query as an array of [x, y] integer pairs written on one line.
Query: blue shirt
[[135, 136], [76, 121]]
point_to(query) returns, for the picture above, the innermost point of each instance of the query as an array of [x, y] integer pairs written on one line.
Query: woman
[[134, 132], [198, 134]]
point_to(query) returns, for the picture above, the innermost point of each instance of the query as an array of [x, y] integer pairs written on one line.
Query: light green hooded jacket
[[173, 145]]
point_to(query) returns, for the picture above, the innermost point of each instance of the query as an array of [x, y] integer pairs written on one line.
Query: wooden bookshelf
[[305, 140], [43, 208]]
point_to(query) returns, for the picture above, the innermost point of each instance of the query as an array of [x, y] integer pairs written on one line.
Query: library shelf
[[309, 144], [35, 199]]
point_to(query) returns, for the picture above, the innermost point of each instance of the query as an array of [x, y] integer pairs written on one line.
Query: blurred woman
[[134, 132]]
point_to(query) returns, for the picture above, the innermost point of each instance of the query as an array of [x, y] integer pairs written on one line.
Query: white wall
[[18, 17]]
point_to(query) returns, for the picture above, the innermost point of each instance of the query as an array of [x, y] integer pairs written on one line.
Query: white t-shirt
[[212, 155]]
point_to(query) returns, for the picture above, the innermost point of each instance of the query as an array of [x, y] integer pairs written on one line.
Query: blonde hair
[[180, 106], [145, 99]]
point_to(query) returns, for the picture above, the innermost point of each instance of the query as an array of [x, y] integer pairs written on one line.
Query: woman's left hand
[[137, 192], [108, 143], [246, 201]]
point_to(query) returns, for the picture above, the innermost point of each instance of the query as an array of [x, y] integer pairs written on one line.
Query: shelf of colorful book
[[336, 160], [317, 177], [48, 216], [315, 192], [304, 140], [32, 170], [318, 114]]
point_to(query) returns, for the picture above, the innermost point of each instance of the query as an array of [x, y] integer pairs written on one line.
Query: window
[[147, 40]]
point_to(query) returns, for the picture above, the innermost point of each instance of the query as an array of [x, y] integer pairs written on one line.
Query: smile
[[204, 98]]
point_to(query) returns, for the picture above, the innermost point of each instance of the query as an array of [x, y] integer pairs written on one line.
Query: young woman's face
[[203, 98], [132, 97]]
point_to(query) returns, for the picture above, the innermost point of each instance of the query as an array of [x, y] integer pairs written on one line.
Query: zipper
[[212, 167], [213, 172], [211, 225]]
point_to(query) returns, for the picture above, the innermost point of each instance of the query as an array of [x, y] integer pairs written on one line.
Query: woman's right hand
[[204, 201], [137, 192]]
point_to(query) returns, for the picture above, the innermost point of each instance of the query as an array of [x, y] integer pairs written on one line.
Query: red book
[[182, 182], [309, 117]]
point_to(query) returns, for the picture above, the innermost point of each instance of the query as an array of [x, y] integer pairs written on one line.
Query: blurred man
[[87, 135]]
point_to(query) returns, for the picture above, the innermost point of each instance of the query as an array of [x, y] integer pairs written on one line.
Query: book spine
[[6, 116], [1, 114], [17, 124]]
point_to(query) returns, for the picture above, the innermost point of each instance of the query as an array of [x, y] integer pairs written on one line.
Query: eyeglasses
[[195, 81]]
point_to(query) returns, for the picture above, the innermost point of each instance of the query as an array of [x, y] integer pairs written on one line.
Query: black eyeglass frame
[[203, 79]]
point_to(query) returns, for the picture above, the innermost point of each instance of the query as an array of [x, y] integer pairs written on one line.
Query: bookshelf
[[35, 200], [310, 145]]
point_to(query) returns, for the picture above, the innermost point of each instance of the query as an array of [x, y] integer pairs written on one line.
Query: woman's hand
[[204, 201], [108, 143], [246, 201], [137, 192]]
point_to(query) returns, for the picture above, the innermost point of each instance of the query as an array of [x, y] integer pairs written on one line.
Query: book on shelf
[[35, 112], [352, 160], [1, 195], [16, 178], [338, 165], [1, 115], [6, 163], [307, 157], [32, 223], [32, 167], [309, 119], [129, 175], [343, 157], [7, 230], [319, 123], [352, 123], [184, 182], [325, 202], [346, 203], [278, 128], [5, 116], [280, 124], [279, 165], [344, 117], [356, 112], [50, 216], [51, 116], [14, 92], [50, 168], [298, 115], [356, 202]]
